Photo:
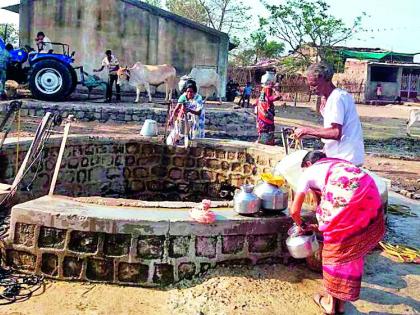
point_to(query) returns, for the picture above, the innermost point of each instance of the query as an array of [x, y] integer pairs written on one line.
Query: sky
[[391, 24]]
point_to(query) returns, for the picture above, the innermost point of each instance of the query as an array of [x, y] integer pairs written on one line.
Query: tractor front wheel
[[50, 80]]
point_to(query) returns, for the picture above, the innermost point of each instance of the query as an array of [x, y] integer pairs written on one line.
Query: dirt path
[[388, 287]]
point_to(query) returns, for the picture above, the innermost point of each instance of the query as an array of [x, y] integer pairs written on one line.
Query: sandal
[[317, 299]]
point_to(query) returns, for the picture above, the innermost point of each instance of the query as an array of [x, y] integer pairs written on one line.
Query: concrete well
[[86, 232]]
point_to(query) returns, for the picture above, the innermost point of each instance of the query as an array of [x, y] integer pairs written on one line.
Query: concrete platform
[[66, 239]]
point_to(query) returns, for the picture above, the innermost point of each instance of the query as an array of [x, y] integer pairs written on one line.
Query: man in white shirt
[[342, 132], [111, 63], [43, 43]]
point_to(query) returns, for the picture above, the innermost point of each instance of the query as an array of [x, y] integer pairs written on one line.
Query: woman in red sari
[[265, 114], [350, 217]]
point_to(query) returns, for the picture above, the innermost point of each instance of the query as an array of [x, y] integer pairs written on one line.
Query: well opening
[[146, 169]]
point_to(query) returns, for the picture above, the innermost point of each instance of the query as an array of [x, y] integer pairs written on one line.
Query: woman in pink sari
[[351, 219]]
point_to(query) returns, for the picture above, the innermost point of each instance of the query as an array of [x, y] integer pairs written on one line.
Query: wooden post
[[60, 154], [38, 135]]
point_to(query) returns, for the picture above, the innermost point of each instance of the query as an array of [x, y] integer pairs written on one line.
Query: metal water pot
[[149, 128], [245, 201], [301, 246], [269, 76], [272, 197]]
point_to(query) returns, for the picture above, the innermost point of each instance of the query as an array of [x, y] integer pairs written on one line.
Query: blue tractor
[[51, 76]]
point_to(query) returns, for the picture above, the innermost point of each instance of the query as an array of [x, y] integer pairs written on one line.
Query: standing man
[[43, 43], [5, 59], [246, 94], [112, 64], [342, 132]]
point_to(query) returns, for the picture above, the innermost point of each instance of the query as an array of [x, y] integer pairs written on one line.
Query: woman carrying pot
[[265, 113], [190, 103], [351, 219]]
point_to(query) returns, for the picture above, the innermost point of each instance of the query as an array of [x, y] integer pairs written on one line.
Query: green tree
[[307, 22], [264, 48], [261, 49], [9, 33], [155, 3]]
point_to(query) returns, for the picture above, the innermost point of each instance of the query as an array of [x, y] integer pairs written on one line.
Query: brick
[[85, 242], [72, 267], [175, 173], [225, 166], [24, 234], [262, 243], [190, 162], [159, 171], [233, 244], [164, 274], [231, 155], [179, 246], [130, 160], [209, 153], [197, 152], [213, 163], [186, 271], [137, 186], [141, 172], [21, 260], [49, 264], [100, 269], [178, 161], [191, 175], [155, 185], [117, 244], [207, 175], [134, 273], [242, 156], [51, 238], [236, 167], [150, 247], [220, 154], [205, 246]]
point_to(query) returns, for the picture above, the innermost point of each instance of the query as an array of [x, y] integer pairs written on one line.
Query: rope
[[17, 143]]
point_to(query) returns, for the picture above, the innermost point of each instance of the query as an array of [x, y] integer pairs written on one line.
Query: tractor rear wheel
[[73, 79], [50, 80]]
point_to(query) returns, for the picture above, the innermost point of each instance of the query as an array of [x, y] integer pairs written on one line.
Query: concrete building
[[133, 30], [399, 77]]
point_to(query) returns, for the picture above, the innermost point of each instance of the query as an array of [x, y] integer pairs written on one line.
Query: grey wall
[[133, 30]]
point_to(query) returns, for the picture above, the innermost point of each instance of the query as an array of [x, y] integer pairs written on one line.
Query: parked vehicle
[[51, 76]]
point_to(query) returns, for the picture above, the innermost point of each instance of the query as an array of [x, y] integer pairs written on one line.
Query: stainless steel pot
[[269, 76], [272, 197], [301, 246], [245, 201]]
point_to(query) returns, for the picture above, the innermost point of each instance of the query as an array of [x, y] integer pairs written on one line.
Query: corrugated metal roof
[[13, 8]]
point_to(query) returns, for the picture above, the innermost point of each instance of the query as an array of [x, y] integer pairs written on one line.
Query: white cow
[[414, 116], [205, 78], [147, 75]]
